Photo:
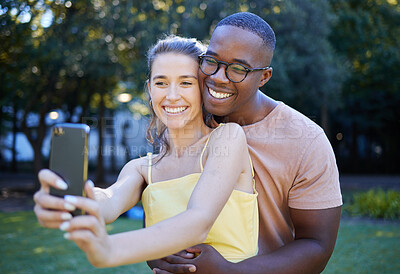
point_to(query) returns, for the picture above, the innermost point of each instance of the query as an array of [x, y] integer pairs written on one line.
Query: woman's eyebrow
[[188, 76], [159, 77], [180, 77]]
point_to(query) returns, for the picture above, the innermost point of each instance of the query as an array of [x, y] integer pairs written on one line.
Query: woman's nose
[[173, 94]]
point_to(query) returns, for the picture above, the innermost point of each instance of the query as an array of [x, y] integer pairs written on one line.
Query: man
[[296, 173]]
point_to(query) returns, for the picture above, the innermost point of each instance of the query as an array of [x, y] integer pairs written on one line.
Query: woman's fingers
[[83, 222], [51, 218], [47, 201], [48, 178], [90, 206], [89, 189]]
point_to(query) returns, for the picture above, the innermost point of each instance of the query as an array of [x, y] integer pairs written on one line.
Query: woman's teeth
[[175, 110], [219, 95]]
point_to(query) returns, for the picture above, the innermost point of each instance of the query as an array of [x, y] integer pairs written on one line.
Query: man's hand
[[183, 264], [207, 260]]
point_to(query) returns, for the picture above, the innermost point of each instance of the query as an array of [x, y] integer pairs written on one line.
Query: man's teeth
[[219, 95], [175, 110]]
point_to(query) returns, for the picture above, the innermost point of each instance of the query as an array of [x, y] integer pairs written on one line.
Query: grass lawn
[[26, 247], [362, 247]]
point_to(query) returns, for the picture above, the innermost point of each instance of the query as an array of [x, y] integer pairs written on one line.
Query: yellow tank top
[[235, 232]]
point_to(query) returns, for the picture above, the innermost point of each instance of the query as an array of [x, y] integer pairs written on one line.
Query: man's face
[[221, 96]]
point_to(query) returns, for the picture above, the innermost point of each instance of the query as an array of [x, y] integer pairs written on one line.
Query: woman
[[199, 188]]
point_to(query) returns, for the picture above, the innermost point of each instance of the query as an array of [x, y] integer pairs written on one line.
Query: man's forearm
[[300, 256]]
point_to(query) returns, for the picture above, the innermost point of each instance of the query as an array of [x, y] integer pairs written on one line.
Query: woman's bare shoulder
[[138, 165], [229, 134]]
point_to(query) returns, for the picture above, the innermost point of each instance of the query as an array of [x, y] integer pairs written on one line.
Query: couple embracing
[[242, 183]]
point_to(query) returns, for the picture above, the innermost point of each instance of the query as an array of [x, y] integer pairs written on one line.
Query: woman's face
[[174, 90]]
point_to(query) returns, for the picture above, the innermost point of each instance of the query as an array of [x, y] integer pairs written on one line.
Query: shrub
[[376, 203]]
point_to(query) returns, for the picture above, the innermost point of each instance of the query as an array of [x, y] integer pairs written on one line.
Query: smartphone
[[69, 158]]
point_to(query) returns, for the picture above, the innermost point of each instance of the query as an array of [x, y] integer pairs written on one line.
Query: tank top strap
[[205, 146], [149, 155], [252, 175]]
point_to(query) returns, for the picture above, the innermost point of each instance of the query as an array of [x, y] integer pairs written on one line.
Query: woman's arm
[[124, 193], [188, 228]]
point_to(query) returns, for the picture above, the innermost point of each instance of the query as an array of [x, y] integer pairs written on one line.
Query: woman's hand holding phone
[[51, 211], [88, 231]]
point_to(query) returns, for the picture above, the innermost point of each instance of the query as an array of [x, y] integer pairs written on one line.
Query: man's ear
[[265, 77]]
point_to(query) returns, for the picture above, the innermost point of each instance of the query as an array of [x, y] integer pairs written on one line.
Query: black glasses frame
[[247, 69]]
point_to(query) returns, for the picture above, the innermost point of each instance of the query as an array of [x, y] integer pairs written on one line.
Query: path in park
[[17, 189]]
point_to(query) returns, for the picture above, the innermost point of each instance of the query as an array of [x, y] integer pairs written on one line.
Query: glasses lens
[[208, 65], [236, 72]]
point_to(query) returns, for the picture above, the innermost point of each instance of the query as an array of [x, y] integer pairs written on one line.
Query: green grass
[[365, 246], [25, 247]]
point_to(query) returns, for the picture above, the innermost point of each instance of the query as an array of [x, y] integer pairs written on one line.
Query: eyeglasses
[[235, 72]]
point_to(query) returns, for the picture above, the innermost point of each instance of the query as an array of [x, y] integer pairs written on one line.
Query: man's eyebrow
[[236, 60]]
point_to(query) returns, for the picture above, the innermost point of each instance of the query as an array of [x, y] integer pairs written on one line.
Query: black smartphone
[[69, 158]]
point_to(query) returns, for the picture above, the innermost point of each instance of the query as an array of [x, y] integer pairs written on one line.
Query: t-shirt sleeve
[[316, 185]]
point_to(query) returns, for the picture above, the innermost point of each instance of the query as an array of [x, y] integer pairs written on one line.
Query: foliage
[[367, 35], [376, 203], [306, 69], [78, 59], [29, 248]]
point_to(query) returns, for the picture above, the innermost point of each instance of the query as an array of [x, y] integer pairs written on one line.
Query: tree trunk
[[14, 143], [37, 160], [100, 163]]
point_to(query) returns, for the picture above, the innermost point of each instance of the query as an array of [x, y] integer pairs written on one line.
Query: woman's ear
[[148, 85], [265, 77]]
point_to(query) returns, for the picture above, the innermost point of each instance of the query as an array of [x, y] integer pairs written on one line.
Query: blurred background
[[336, 61]]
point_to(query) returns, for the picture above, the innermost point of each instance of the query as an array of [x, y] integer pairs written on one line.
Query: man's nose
[[220, 75]]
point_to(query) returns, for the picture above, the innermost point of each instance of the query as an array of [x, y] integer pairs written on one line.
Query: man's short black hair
[[253, 23]]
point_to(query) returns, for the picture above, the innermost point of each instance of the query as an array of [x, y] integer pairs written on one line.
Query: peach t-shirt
[[294, 167]]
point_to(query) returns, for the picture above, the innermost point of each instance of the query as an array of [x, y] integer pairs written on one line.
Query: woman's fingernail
[[64, 226], [61, 184], [69, 206], [71, 199], [66, 216], [90, 183], [67, 236], [192, 269]]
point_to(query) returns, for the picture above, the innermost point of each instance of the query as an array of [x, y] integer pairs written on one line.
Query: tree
[[367, 34]]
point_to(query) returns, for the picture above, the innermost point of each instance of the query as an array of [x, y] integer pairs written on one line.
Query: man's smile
[[219, 95]]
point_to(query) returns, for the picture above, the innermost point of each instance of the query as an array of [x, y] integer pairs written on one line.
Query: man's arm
[[316, 232]]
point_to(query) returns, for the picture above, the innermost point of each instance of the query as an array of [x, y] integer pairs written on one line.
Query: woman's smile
[[175, 109]]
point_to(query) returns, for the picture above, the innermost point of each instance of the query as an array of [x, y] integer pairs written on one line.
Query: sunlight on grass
[[38, 250], [387, 234], [13, 219]]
